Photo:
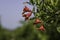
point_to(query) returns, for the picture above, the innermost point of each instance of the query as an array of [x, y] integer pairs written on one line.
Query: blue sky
[[10, 11]]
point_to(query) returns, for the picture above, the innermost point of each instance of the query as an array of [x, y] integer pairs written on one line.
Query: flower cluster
[[27, 16], [26, 9], [37, 21]]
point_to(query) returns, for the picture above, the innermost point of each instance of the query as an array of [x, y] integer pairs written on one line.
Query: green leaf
[[50, 9], [32, 1], [38, 1], [54, 2], [58, 29]]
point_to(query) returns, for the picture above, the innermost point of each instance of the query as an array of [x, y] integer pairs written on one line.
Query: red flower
[[41, 28], [26, 18], [37, 21], [24, 15], [27, 15], [26, 9]]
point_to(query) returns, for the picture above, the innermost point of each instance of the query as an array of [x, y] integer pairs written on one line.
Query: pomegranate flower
[[37, 21], [27, 15], [42, 28], [26, 9]]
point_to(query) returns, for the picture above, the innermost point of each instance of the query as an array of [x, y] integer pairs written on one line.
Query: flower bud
[[42, 28], [37, 21]]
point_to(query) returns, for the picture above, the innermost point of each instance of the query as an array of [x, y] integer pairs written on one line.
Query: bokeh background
[[10, 12]]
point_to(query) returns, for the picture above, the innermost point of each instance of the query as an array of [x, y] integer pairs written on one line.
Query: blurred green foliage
[[29, 32]]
